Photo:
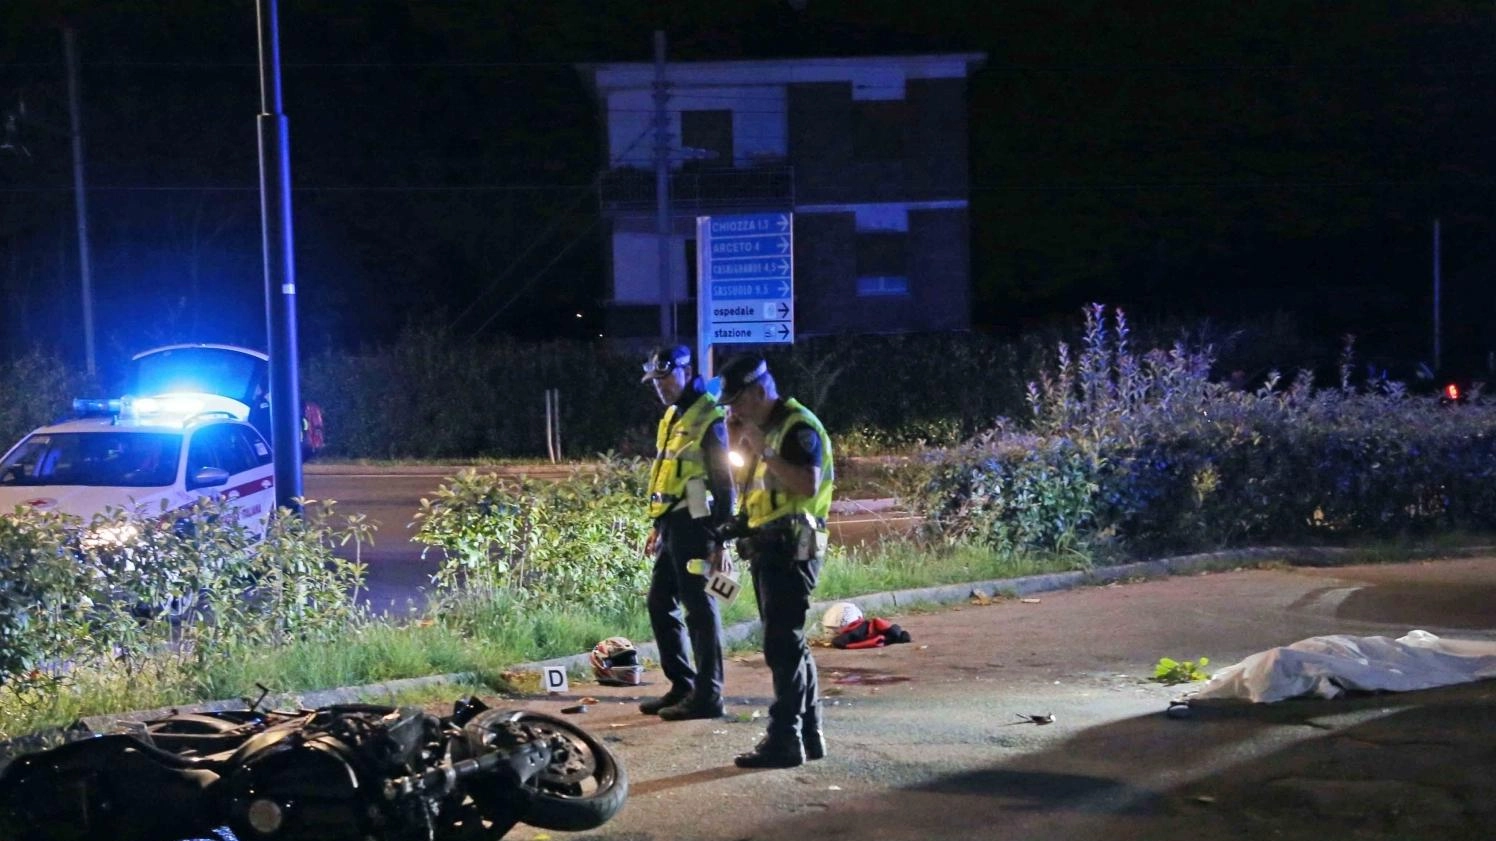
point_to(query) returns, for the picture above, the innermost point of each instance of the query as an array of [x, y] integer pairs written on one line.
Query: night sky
[[1187, 160]]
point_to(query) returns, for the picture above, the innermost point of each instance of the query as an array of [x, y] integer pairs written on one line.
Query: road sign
[[738, 290], [751, 333], [746, 284], [756, 268], [725, 311]]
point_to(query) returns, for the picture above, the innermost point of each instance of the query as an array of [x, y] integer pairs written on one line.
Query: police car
[[146, 455], [238, 373]]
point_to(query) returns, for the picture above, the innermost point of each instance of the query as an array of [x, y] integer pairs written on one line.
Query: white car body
[[147, 465]]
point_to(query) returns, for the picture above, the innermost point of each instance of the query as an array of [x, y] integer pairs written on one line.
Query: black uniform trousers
[[673, 586], [782, 587]]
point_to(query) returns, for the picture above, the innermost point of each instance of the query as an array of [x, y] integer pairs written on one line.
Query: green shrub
[[541, 543], [1146, 453], [35, 389], [87, 602]]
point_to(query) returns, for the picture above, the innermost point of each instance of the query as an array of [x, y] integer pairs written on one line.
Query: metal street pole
[[80, 198], [662, 190], [1438, 309], [280, 264]]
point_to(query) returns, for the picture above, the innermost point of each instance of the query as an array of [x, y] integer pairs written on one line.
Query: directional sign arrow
[[780, 329], [784, 222], [784, 245], [784, 289]]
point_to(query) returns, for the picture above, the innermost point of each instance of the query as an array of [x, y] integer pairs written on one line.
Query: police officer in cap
[[785, 500], [691, 499]]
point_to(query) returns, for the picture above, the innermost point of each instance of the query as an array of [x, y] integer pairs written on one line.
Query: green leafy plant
[[540, 543], [1171, 672]]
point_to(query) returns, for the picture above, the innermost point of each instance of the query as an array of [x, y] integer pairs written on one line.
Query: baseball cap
[[739, 373], [664, 359]]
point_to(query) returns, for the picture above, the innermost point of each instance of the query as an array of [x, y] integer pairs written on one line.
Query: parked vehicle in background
[[148, 456]]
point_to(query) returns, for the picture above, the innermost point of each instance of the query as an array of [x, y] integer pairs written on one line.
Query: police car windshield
[[107, 458]]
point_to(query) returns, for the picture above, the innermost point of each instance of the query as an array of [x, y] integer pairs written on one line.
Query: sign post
[[746, 281]]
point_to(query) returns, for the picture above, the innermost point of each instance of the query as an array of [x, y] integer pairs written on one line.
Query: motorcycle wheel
[[581, 788]]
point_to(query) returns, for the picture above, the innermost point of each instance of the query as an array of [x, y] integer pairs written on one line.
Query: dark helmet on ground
[[664, 359], [741, 372]]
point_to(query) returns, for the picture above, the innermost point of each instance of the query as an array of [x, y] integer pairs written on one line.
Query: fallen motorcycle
[[370, 773]]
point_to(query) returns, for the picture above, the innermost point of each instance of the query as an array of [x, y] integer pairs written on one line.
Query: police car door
[[238, 450]]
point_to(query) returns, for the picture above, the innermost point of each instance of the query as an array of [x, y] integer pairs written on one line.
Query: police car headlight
[[105, 537]]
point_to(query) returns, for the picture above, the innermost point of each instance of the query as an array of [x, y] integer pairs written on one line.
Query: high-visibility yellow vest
[[679, 457], [765, 500]]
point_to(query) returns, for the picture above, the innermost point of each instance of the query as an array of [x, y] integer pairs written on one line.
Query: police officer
[[785, 500], [691, 498]]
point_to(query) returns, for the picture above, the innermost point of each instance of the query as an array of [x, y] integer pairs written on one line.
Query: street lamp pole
[[80, 198], [280, 264]]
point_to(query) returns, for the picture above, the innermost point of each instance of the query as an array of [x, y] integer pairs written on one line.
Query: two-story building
[[870, 154]]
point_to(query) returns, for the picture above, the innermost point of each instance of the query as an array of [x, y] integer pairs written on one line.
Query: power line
[[471, 188], [544, 235], [1115, 67], [536, 277], [1126, 184]]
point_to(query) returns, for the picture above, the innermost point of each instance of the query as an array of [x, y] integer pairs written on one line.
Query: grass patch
[[1426, 547], [485, 638], [900, 565]]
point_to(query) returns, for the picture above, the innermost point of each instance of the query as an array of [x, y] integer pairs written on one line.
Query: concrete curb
[[743, 631]]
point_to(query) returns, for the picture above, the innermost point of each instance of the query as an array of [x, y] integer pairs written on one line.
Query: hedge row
[[1138, 453], [430, 394]]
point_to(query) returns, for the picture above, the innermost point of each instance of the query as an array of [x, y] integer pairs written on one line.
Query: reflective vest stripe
[[679, 457], [765, 501]]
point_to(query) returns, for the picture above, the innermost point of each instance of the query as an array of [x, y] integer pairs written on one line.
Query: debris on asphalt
[[1046, 718], [1179, 709], [1030, 601], [574, 709], [833, 788]]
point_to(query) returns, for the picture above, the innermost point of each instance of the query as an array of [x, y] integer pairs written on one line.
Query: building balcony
[[631, 189]]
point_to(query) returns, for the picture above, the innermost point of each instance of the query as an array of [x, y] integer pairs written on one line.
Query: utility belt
[[795, 537], [696, 499]]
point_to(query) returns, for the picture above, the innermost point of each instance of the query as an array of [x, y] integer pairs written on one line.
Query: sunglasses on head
[[662, 366]]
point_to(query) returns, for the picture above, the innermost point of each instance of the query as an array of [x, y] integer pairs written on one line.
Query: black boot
[[814, 742], [811, 735], [772, 752], [692, 708], [669, 699]]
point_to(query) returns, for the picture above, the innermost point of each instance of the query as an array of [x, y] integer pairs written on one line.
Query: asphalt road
[[390, 496], [926, 740]]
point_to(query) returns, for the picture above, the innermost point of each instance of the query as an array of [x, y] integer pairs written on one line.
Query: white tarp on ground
[[1326, 667]]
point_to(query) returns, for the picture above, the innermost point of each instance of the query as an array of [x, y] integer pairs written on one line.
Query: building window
[[711, 133], [882, 264], [882, 286], [879, 130]]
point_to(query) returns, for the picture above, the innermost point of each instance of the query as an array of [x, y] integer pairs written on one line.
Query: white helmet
[[840, 615], [616, 661]]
